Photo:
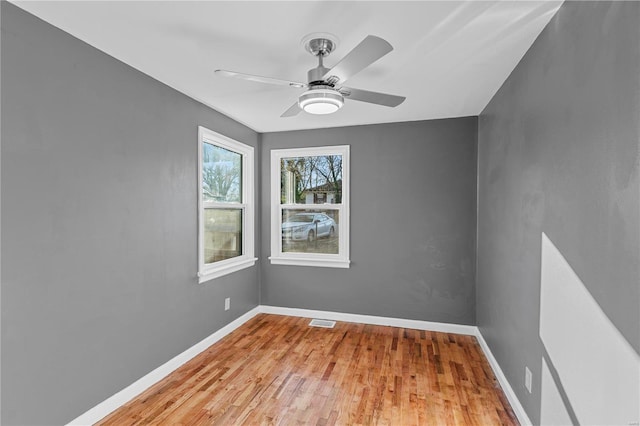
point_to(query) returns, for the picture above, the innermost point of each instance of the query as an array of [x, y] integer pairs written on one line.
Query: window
[[310, 206], [225, 205]]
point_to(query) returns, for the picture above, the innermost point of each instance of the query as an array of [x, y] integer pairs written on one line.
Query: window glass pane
[[310, 231], [221, 174], [222, 234], [311, 180]]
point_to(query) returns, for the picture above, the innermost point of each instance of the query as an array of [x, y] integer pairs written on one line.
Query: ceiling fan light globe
[[321, 108], [321, 101]]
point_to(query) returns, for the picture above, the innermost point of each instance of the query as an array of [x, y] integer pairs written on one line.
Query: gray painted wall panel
[[559, 154], [413, 216], [99, 225]]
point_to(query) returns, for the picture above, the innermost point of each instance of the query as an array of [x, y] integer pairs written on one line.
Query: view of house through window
[[309, 190], [313, 180]]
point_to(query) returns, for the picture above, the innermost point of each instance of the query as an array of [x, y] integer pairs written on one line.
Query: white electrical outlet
[[527, 378], [227, 305]]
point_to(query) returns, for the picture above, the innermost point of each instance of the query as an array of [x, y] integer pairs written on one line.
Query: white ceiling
[[449, 57]]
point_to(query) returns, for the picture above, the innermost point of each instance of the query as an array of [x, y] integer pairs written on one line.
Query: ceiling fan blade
[[292, 111], [371, 97], [259, 79], [367, 52]]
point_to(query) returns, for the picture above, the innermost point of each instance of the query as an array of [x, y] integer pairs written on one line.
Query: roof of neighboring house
[[326, 187]]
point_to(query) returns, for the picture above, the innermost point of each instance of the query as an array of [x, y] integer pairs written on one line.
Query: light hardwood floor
[[278, 370]]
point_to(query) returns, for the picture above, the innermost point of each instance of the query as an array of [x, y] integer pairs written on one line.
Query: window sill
[[301, 261], [226, 268]]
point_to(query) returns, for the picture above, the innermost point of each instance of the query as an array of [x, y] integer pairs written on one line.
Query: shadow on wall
[[590, 372]]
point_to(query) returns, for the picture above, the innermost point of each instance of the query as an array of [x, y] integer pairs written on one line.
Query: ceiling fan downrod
[[314, 75]]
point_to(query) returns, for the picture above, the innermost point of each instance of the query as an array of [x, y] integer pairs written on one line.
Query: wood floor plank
[[276, 370]]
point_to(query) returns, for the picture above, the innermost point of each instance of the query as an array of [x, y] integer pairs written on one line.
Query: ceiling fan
[[325, 92]]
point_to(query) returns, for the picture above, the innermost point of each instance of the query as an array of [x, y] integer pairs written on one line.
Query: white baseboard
[[373, 320], [114, 402], [518, 409]]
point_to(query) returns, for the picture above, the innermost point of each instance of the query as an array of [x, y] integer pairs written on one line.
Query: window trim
[[208, 272], [340, 260]]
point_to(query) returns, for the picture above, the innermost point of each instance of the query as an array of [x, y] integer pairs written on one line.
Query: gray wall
[[558, 154], [99, 225], [413, 216], [99, 228]]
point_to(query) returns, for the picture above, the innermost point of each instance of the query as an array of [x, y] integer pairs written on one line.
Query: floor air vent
[[322, 323]]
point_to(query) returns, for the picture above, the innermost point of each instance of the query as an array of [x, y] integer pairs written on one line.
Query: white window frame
[[340, 260], [207, 272]]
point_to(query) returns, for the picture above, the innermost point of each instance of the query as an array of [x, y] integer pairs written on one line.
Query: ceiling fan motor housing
[[314, 75]]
